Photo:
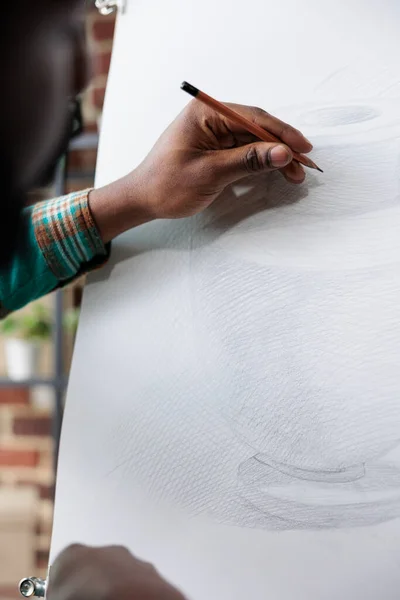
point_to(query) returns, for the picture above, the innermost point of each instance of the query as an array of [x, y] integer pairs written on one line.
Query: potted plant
[[24, 334], [71, 320]]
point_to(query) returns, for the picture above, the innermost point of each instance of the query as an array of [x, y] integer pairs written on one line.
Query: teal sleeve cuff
[[67, 235], [58, 243]]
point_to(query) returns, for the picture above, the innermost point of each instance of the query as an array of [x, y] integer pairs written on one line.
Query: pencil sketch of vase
[[300, 306]]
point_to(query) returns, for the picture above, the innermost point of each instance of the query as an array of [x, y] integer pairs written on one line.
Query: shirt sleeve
[[59, 241]]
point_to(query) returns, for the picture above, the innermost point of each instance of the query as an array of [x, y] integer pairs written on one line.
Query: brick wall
[[100, 31], [25, 431], [26, 458]]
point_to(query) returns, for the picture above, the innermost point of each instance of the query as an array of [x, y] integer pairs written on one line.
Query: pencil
[[256, 130]]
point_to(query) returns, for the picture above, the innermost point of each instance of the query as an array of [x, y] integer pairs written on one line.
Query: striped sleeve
[[57, 242], [67, 235]]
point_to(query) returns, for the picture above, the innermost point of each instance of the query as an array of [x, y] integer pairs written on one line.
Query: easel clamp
[[32, 587]]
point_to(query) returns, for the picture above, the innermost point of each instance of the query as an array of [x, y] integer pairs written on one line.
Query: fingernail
[[279, 156], [310, 146], [307, 141]]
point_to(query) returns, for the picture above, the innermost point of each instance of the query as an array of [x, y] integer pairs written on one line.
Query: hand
[[198, 155], [109, 573]]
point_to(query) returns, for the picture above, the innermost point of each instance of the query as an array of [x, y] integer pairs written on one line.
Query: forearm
[[118, 207]]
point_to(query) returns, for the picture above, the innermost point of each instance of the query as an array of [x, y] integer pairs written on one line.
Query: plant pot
[[22, 358]]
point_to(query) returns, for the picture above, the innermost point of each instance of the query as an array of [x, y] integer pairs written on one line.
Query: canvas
[[233, 413]]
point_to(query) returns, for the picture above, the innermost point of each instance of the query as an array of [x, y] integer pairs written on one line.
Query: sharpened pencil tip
[[320, 170]]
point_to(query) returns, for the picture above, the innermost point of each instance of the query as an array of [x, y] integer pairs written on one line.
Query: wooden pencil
[[256, 130]]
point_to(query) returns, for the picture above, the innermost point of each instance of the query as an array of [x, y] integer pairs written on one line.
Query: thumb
[[259, 157]]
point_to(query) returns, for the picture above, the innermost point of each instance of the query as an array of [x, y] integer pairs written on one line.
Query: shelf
[[86, 141], [52, 382], [58, 381]]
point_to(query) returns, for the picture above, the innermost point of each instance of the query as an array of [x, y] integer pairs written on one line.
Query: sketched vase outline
[[306, 336]]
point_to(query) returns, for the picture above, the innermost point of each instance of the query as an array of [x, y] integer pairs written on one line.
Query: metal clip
[[32, 587], [106, 7]]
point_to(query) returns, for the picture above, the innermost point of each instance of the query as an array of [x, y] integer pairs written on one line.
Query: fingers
[[108, 572], [230, 165], [67, 559], [285, 132], [294, 172]]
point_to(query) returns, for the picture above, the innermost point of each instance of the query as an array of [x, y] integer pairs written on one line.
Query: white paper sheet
[[233, 413]]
